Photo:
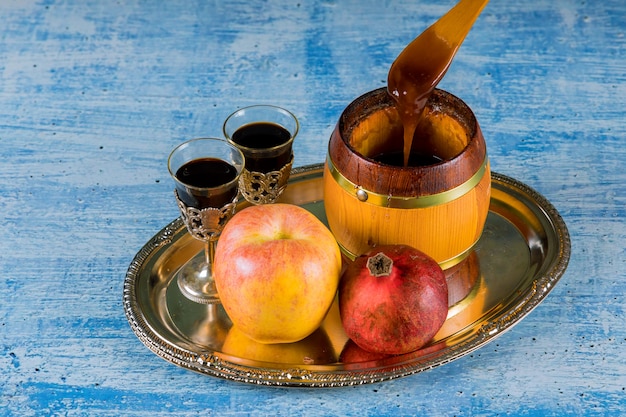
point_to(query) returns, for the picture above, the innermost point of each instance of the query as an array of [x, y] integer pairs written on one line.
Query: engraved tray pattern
[[523, 253]]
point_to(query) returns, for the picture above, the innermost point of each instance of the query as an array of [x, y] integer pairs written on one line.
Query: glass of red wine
[[206, 173], [265, 135]]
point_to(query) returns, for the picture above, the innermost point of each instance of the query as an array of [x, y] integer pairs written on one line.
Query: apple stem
[[380, 265]]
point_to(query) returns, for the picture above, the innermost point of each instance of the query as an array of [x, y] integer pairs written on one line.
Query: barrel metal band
[[406, 202], [446, 264]]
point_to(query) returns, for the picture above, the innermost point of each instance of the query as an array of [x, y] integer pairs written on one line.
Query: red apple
[[393, 299], [277, 268]]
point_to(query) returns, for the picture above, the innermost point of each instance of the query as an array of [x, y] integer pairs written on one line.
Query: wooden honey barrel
[[439, 208]]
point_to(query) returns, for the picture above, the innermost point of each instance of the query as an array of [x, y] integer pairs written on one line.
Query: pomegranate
[[393, 299]]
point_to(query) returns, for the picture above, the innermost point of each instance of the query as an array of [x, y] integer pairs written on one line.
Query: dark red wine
[[415, 159], [264, 135], [207, 173]]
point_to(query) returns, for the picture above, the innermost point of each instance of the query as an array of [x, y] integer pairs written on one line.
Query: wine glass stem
[[209, 252]]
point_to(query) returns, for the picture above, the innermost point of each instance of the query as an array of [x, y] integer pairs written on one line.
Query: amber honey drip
[[422, 64], [417, 77]]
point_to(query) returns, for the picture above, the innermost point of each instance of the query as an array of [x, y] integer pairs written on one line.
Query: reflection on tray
[[208, 326]]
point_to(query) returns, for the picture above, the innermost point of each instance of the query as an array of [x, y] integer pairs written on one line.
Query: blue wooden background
[[94, 94]]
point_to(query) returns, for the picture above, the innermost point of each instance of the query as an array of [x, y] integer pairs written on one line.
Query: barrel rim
[[407, 181]]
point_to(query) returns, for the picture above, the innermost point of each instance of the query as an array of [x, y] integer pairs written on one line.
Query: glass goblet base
[[195, 281]]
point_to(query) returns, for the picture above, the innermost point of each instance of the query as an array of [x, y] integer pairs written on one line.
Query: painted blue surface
[[94, 95]]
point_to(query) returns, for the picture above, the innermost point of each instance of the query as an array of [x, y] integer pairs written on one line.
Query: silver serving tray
[[522, 253]]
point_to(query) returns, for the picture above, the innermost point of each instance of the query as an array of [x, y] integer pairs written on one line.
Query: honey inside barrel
[[437, 135]]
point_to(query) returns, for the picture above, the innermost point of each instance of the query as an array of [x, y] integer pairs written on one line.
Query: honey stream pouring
[[422, 64]]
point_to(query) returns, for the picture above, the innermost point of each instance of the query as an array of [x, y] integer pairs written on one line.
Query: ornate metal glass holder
[[195, 279], [264, 188]]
